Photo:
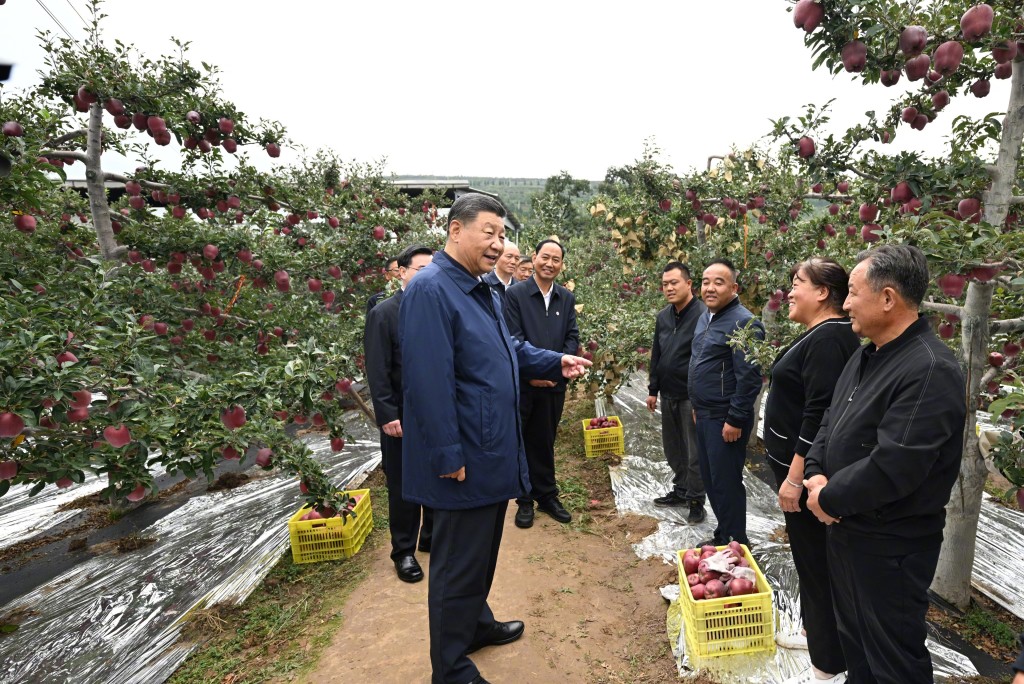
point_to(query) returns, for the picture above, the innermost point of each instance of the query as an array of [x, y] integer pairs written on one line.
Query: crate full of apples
[[603, 435], [726, 602]]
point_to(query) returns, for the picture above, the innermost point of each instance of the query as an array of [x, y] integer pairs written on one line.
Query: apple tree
[[195, 316], [961, 207]]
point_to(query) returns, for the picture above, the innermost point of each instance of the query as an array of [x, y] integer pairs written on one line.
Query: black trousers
[[810, 555], [721, 467], [540, 411], [679, 439], [403, 516], [462, 563], [881, 602]]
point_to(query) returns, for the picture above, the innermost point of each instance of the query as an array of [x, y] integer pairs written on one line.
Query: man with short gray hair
[[882, 466]]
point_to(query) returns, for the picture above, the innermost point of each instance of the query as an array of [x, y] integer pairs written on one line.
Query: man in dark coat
[[670, 367], [463, 448], [503, 275], [723, 385], [390, 273], [384, 375], [882, 467], [543, 313]]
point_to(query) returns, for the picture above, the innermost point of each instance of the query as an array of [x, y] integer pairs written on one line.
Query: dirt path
[[592, 611]]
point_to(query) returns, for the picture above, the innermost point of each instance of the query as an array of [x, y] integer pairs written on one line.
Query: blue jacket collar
[[456, 271]]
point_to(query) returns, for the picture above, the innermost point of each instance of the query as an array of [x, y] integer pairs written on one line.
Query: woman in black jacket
[[802, 380]]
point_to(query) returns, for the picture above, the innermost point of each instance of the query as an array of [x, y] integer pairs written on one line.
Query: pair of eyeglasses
[[416, 268]]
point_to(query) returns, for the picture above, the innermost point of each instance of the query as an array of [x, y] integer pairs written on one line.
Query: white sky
[[521, 89]]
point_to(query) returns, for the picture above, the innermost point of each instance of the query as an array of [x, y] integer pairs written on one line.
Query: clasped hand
[[814, 486]]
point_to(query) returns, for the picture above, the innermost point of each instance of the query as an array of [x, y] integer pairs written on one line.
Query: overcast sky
[[522, 89]]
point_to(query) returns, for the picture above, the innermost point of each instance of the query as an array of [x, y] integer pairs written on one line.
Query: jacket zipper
[[722, 378], [843, 416]]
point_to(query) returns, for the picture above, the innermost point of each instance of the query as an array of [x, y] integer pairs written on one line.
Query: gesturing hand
[[574, 366]]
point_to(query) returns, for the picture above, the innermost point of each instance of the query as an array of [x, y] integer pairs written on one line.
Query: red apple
[[230, 453], [137, 494], [901, 193], [1004, 52], [917, 67], [13, 129], [948, 57], [66, 357], [64, 483], [952, 284], [230, 145], [225, 125], [263, 457], [805, 147], [1003, 71], [807, 15], [981, 87], [273, 149], [940, 100], [77, 415], [378, 233], [11, 425], [995, 359], [969, 209], [26, 223], [337, 444], [1011, 348], [867, 232], [314, 284], [8, 469], [868, 212], [854, 56], [976, 22], [912, 40], [946, 330], [909, 114], [233, 417], [889, 78], [343, 385], [118, 436]]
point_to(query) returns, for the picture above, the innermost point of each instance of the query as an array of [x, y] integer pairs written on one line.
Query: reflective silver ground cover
[[116, 618], [644, 475]]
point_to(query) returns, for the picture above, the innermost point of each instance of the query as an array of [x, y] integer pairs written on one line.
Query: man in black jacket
[[543, 313], [390, 273], [882, 466], [670, 365], [384, 375], [503, 275]]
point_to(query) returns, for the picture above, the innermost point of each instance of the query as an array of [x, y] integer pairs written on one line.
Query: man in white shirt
[[503, 275]]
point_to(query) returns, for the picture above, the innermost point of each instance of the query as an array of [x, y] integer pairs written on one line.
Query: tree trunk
[[98, 206], [956, 561]]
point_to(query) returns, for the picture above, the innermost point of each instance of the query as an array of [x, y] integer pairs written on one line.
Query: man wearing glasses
[[390, 273], [503, 275]]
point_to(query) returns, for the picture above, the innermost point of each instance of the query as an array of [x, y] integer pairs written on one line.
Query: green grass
[[981, 622]]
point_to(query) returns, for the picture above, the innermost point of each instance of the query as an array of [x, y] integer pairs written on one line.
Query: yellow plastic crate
[[604, 440], [713, 631], [331, 538]]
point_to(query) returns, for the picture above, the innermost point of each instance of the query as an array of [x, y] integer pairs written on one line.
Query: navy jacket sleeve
[[823, 364], [906, 450], [378, 348], [538, 363], [424, 321], [748, 382], [572, 336]]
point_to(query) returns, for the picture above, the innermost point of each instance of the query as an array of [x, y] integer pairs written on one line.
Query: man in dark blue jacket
[[543, 313], [723, 386], [384, 375], [462, 447]]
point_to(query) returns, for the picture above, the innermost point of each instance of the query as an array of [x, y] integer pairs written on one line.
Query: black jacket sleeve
[[572, 333], [814, 459], [908, 445], [378, 347], [824, 362], [513, 316], [1019, 665], [652, 374]]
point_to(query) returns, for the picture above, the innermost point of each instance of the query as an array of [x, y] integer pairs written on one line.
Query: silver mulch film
[[117, 618], [644, 475]]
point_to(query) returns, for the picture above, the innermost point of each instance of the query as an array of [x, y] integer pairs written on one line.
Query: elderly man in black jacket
[[384, 375], [670, 365], [542, 312], [504, 274], [882, 466]]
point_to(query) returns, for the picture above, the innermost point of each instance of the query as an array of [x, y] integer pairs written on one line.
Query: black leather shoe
[[502, 633], [524, 516], [670, 500], [408, 569], [554, 508]]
